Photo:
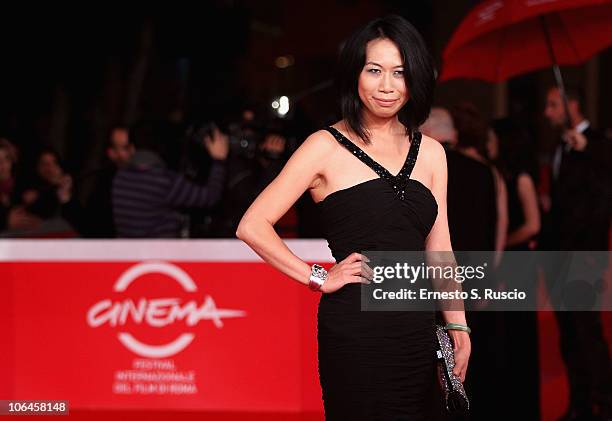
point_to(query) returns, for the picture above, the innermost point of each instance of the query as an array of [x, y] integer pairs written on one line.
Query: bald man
[[439, 125]]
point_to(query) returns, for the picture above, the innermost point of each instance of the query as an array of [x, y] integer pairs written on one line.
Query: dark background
[[67, 76]]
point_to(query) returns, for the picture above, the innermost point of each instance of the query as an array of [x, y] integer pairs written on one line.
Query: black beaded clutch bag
[[456, 399]]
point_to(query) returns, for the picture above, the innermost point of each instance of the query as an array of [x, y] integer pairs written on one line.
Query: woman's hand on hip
[[353, 269]]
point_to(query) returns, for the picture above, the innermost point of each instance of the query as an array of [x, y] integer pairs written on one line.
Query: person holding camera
[[249, 174], [148, 197]]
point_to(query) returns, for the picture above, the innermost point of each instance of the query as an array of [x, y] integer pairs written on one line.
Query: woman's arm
[[529, 203], [501, 194], [256, 227], [438, 240]]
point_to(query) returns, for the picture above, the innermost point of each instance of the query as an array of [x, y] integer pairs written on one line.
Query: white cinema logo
[[158, 312]]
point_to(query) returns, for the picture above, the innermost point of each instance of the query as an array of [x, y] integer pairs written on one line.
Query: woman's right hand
[[353, 269]]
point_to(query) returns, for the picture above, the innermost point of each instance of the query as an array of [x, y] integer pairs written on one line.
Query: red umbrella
[[500, 39]]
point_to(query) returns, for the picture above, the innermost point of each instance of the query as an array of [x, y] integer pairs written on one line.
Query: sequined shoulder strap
[[406, 170], [413, 153], [398, 182], [358, 152]]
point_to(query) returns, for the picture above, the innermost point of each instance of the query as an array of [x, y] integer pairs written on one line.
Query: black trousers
[[587, 359], [582, 343]]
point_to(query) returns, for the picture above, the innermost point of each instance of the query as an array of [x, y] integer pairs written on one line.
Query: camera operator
[[148, 197], [257, 156]]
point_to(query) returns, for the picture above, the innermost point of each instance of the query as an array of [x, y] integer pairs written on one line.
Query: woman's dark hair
[[472, 128], [46, 150], [419, 72], [515, 149]]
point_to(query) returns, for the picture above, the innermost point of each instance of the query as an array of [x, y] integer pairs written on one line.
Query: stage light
[[284, 106], [281, 106], [282, 62]]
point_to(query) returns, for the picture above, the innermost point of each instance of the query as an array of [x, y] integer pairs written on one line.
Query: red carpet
[[554, 387]]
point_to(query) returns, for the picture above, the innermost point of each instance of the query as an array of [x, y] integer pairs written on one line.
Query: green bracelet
[[457, 326]]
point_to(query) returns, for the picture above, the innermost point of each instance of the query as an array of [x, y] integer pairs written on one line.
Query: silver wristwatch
[[318, 275]]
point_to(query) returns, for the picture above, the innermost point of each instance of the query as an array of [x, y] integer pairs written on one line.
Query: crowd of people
[[499, 199], [137, 193]]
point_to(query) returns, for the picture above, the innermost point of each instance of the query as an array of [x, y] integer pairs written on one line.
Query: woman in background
[[510, 152], [480, 193], [12, 217], [512, 160], [477, 216]]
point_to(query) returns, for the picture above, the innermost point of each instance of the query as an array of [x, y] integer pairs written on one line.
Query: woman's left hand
[[462, 348]]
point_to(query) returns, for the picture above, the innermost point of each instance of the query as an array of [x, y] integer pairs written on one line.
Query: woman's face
[[49, 169], [381, 86], [6, 165]]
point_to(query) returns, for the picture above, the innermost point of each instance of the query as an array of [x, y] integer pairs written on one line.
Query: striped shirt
[[146, 201]]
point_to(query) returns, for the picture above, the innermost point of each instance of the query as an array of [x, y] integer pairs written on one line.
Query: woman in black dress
[[379, 185]]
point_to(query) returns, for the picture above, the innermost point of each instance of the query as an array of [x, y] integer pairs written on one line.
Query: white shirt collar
[[582, 126]]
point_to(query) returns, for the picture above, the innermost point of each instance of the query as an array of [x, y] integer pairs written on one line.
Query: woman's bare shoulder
[[524, 180], [314, 153], [432, 151], [322, 139]]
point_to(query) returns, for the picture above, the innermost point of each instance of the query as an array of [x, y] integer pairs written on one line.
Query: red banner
[[224, 332]]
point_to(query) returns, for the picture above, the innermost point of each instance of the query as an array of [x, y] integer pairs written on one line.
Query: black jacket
[[580, 197]]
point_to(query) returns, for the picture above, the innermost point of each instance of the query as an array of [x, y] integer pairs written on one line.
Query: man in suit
[[577, 218]]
